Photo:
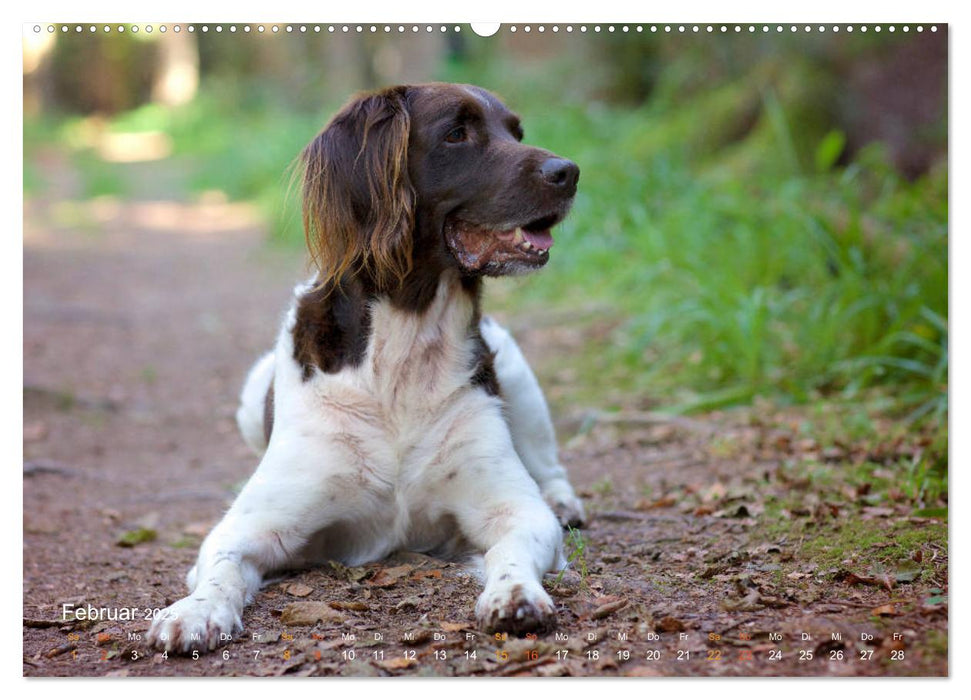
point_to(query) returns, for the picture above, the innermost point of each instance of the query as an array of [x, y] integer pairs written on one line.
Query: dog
[[391, 414]]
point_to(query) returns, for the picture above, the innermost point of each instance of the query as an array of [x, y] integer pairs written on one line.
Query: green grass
[[738, 288], [576, 548]]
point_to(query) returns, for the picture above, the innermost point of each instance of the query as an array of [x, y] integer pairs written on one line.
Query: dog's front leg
[[522, 550], [500, 510], [530, 424], [287, 500], [225, 577]]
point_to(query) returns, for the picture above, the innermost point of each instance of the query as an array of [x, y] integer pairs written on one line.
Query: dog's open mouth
[[501, 250]]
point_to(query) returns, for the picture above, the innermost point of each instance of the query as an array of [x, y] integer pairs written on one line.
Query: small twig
[[43, 624], [523, 666], [847, 603], [33, 467], [63, 649], [621, 515], [67, 400]]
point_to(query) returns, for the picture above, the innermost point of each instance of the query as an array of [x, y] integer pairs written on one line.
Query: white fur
[[399, 452]]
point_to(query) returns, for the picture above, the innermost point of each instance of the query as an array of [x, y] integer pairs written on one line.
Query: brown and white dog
[[391, 415]]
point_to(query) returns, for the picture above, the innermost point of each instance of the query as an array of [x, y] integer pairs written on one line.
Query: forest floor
[[731, 543]]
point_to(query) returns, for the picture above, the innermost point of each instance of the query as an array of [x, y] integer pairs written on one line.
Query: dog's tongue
[[539, 239]]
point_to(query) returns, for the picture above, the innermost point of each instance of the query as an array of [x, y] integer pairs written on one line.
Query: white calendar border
[[602, 11]]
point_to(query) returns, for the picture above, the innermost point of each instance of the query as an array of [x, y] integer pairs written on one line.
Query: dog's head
[[434, 175]]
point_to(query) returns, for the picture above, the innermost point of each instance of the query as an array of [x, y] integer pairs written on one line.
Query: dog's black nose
[[560, 172]]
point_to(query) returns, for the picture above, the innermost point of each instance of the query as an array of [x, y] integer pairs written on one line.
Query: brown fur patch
[[483, 359], [332, 327], [484, 374]]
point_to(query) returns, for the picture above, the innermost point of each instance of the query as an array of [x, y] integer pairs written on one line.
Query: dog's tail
[[254, 415]]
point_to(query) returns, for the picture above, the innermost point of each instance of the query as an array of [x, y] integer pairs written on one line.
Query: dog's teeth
[[518, 236], [527, 245]]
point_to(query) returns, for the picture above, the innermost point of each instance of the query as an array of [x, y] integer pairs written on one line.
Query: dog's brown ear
[[358, 202]]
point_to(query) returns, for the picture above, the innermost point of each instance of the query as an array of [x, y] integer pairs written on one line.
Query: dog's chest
[[414, 376], [417, 361]]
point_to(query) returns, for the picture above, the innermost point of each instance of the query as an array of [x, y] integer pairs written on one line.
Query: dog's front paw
[[194, 624], [518, 608], [564, 502]]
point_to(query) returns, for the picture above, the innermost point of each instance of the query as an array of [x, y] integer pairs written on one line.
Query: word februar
[[89, 612]]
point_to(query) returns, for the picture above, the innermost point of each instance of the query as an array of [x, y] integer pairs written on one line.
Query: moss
[[871, 544]]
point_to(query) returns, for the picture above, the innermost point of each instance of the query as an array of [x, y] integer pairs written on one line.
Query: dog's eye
[[457, 135]]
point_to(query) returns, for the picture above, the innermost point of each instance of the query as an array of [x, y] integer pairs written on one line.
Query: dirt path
[[140, 321]]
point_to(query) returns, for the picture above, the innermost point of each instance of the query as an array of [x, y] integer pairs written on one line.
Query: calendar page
[[451, 350]]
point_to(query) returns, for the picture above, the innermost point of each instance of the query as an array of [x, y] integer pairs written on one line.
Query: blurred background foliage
[[759, 214]]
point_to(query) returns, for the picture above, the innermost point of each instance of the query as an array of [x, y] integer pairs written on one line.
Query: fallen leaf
[[455, 626], [715, 492], [826, 510], [427, 573], [299, 590], [349, 573], [663, 502], [669, 624], [397, 663], [309, 613], [852, 579], [888, 610], [354, 605], [608, 608], [389, 577]]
